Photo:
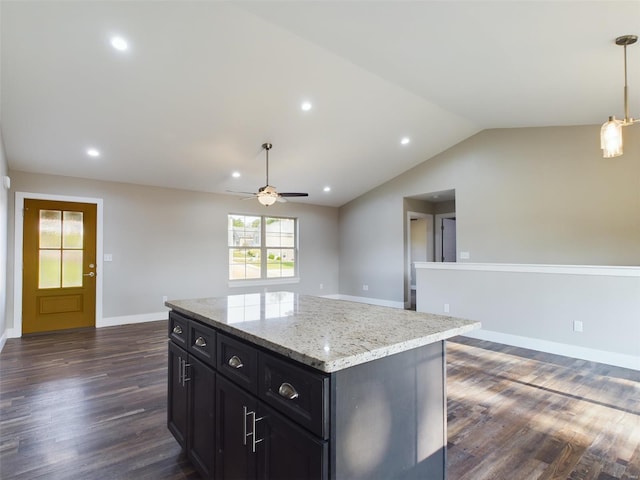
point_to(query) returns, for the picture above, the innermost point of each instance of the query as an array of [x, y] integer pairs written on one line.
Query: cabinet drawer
[[179, 328], [202, 342], [299, 394], [238, 361]]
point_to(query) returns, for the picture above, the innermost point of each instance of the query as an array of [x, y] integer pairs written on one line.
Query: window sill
[[263, 282]]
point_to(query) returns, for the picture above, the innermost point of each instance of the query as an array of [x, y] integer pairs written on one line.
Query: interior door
[[448, 239], [59, 265]]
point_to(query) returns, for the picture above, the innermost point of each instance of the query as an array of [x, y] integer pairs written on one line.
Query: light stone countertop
[[326, 334]]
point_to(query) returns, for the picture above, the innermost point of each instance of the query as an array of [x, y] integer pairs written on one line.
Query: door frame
[[407, 250], [18, 251]]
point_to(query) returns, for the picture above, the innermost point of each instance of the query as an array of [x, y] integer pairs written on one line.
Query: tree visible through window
[[261, 247]]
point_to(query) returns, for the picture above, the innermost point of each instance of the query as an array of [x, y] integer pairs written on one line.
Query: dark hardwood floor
[[92, 405]]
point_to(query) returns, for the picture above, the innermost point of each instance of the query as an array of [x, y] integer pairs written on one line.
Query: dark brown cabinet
[[244, 412], [191, 396], [178, 400]]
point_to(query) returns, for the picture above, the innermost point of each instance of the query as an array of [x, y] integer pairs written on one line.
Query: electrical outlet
[[577, 325], [365, 287], [465, 256], [321, 286], [164, 299], [446, 308]]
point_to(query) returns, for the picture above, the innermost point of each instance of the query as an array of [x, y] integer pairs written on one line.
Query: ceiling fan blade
[[293, 194], [241, 193]]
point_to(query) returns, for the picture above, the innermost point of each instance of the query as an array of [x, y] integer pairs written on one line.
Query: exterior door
[[59, 265]]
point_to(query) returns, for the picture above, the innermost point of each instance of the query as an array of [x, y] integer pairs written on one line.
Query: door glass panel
[[72, 230], [71, 268], [49, 271], [50, 228]]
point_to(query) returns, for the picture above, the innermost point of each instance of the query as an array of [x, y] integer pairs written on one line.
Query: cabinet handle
[[252, 433], [177, 330], [184, 372], [235, 362], [201, 342], [287, 391], [180, 371]]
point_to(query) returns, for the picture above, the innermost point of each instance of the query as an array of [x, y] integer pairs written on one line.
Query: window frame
[[264, 279]]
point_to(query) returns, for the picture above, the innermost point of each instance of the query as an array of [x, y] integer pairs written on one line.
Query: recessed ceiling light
[[306, 106], [405, 140], [326, 189], [119, 43], [235, 174], [92, 152]]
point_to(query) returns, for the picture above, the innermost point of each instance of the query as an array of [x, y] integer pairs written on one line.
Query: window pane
[[279, 232], [244, 263], [72, 230], [244, 231], [280, 262], [50, 228], [49, 269], [72, 268]]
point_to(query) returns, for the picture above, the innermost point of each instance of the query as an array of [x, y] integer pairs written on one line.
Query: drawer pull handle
[[201, 342], [177, 330], [287, 391], [235, 362]]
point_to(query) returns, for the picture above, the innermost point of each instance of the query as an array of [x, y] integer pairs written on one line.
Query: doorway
[[57, 263], [445, 235], [419, 248]]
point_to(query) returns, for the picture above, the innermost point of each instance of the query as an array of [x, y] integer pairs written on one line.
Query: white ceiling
[[204, 84]]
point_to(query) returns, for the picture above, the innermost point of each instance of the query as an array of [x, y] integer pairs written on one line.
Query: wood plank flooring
[[92, 405], [519, 414]]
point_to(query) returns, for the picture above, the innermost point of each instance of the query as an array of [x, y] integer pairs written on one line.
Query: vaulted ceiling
[[203, 85]]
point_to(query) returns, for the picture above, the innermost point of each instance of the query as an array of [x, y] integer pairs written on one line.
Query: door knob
[[90, 274]]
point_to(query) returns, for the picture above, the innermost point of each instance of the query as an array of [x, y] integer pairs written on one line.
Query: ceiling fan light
[[611, 138], [267, 198]]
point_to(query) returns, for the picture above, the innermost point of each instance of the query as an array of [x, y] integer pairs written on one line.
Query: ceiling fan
[[268, 195]]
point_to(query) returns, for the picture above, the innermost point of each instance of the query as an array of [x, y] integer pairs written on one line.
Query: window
[[262, 247]]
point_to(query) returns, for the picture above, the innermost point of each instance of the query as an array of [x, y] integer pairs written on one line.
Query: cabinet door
[[177, 401], [202, 395], [235, 410], [289, 452]]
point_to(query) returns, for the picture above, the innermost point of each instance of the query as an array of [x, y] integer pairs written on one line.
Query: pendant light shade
[[611, 138], [611, 131]]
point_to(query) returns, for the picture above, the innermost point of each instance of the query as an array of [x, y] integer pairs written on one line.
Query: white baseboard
[[3, 340], [600, 356], [371, 301], [13, 333], [127, 319]]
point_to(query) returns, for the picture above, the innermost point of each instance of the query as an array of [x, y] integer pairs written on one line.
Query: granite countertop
[[326, 334]]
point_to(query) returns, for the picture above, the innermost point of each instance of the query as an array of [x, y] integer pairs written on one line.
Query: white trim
[[263, 282], [371, 301], [128, 319], [574, 351], [613, 271], [17, 251], [3, 339]]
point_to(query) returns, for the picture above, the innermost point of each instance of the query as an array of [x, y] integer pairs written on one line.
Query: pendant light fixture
[[611, 132]]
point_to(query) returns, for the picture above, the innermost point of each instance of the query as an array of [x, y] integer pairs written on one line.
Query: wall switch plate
[[577, 326], [446, 308], [108, 257]]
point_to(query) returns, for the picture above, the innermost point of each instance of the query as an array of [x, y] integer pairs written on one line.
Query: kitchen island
[[281, 385]]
